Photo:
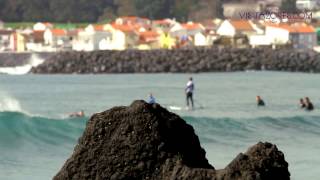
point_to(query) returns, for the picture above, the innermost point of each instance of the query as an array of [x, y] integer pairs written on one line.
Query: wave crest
[[34, 61]]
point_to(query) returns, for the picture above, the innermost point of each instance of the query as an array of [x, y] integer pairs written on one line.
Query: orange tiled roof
[[148, 36], [281, 25], [123, 27], [191, 26], [163, 21], [58, 32], [98, 27], [303, 28], [73, 32], [241, 25], [294, 28]]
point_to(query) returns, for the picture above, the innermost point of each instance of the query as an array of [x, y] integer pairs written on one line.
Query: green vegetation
[[288, 6], [19, 25], [70, 25], [23, 25], [104, 10]]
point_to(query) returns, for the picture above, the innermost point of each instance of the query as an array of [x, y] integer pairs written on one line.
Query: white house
[[231, 28], [163, 25], [93, 37], [277, 33], [124, 36], [35, 41], [105, 44], [149, 40], [39, 26], [18, 42], [200, 39], [195, 33], [177, 31], [132, 20], [259, 40], [211, 27], [193, 28], [55, 38]]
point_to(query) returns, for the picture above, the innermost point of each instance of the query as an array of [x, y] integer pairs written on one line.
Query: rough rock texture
[[262, 161], [146, 141], [181, 61]]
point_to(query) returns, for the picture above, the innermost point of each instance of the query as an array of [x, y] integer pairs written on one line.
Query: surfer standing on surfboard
[[189, 92]]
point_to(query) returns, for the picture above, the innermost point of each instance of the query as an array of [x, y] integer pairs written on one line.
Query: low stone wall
[[181, 61]]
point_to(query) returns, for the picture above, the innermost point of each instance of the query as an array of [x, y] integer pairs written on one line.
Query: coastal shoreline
[[193, 60]]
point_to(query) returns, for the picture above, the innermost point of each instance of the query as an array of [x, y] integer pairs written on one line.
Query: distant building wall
[[303, 40]]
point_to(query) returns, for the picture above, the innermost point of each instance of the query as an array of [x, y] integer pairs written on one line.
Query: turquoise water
[[36, 135]]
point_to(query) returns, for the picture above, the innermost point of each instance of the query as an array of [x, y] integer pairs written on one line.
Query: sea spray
[[8, 103], [34, 61]]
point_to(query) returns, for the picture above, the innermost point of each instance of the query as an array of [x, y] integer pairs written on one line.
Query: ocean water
[[36, 135]]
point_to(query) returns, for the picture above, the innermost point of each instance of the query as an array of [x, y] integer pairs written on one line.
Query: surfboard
[[179, 108], [176, 108]]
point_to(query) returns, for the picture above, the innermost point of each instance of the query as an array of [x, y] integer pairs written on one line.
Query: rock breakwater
[[180, 61]]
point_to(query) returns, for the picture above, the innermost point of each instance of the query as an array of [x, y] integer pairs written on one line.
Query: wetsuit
[[189, 93], [261, 103], [152, 100], [309, 106]]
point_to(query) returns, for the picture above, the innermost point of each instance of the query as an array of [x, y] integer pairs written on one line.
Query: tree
[[108, 15], [288, 6], [182, 9], [104, 10], [125, 7], [155, 9]]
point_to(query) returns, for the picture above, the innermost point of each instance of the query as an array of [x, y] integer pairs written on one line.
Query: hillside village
[[132, 32]]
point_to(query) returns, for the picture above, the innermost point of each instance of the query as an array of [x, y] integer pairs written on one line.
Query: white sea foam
[[8, 103], [34, 61]]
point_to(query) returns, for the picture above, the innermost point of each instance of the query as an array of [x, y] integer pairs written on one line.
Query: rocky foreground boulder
[[146, 141]]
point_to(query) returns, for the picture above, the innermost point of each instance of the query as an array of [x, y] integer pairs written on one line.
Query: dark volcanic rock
[[180, 61], [146, 141], [262, 161]]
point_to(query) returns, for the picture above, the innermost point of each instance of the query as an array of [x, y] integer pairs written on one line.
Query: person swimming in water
[[308, 103], [260, 102], [189, 92], [151, 100], [302, 104], [77, 114]]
